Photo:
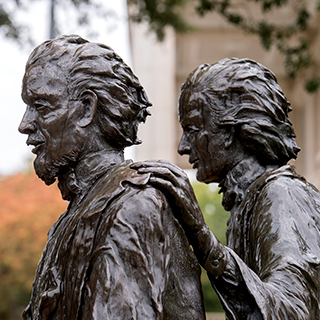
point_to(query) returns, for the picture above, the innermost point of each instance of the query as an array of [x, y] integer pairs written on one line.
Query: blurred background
[[162, 41]]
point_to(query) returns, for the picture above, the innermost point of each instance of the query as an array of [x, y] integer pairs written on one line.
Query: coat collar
[[238, 180], [75, 183]]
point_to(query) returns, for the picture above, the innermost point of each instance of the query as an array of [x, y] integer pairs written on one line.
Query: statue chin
[[49, 169], [45, 172]]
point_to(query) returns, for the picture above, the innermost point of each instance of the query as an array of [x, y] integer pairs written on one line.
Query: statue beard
[[49, 169]]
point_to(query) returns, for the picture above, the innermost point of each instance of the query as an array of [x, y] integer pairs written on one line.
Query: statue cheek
[[203, 142]]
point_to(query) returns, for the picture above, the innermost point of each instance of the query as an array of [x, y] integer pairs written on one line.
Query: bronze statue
[[117, 252], [237, 132]]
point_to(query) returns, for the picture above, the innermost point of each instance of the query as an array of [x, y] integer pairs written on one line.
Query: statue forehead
[[44, 78], [190, 107], [196, 101]]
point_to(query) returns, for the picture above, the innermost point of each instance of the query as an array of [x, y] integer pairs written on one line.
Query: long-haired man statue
[[117, 252], [237, 132]]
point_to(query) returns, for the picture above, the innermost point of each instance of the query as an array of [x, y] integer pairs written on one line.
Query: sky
[[15, 155]]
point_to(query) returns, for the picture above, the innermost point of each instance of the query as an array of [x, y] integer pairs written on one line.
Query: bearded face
[[50, 121]]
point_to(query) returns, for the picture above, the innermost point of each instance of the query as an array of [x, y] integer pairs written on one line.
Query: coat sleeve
[[128, 268], [280, 276]]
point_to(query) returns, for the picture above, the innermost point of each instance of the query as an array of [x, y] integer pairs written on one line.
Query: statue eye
[[191, 129], [39, 106]]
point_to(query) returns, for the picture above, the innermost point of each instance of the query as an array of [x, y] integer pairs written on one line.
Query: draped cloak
[[120, 254], [273, 253]]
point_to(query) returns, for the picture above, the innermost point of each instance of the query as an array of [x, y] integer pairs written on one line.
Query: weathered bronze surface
[[117, 252], [237, 132]]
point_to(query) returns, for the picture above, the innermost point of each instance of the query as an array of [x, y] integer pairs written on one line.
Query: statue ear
[[230, 137], [88, 100]]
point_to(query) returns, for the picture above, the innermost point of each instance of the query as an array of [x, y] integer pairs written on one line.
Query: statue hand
[[175, 184]]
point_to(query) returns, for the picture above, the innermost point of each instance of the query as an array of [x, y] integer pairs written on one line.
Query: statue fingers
[[163, 184], [153, 164], [163, 173]]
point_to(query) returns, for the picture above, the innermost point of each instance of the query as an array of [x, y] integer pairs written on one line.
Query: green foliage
[[234, 18], [302, 19], [296, 57], [85, 10], [7, 25], [268, 5], [216, 218], [265, 31], [312, 84], [205, 6], [160, 14]]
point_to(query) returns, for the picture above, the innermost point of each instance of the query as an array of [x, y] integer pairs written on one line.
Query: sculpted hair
[[122, 101], [245, 95]]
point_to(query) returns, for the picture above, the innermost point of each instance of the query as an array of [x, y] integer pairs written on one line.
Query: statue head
[[78, 93], [240, 101]]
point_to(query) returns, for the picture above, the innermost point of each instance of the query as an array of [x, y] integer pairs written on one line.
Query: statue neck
[[75, 183], [238, 180]]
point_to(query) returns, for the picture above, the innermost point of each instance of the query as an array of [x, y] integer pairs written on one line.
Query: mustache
[[35, 140]]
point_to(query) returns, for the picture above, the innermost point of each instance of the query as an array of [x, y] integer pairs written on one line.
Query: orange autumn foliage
[[28, 208]]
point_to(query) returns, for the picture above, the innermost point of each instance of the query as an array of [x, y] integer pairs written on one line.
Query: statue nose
[[184, 147], [27, 125]]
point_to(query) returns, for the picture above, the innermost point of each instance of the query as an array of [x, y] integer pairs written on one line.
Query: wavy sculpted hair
[[122, 101], [245, 95]]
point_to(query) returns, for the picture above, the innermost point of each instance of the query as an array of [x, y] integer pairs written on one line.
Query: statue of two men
[[121, 250]]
